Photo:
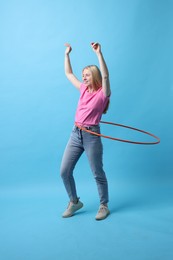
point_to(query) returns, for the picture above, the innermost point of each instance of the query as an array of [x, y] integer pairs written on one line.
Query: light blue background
[[37, 106]]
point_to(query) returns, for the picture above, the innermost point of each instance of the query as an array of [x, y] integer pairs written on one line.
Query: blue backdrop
[[37, 103]]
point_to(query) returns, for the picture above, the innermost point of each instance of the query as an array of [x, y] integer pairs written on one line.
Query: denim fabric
[[79, 142]]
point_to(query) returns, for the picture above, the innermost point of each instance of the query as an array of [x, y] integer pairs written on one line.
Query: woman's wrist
[[99, 53]]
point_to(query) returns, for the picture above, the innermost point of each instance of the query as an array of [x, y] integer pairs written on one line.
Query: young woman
[[93, 102]]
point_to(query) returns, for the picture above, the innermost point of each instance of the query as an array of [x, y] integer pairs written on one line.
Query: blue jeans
[[79, 142]]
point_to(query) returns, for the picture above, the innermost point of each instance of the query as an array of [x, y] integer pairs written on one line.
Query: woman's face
[[87, 78]]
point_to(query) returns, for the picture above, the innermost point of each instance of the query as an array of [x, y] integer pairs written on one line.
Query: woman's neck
[[90, 89]]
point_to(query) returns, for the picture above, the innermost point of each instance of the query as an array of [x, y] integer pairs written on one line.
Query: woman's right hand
[[68, 48]]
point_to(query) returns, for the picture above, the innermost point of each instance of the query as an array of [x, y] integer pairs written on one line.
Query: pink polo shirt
[[90, 106]]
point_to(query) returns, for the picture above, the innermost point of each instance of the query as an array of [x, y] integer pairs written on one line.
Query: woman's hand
[[96, 47], [68, 48]]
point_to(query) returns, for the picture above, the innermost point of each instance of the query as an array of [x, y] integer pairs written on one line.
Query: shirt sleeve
[[82, 88]]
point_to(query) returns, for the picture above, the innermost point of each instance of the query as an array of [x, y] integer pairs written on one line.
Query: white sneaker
[[72, 208], [102, 213]]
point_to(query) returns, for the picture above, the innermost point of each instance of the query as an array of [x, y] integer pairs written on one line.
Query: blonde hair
[[96, 81], [96, 76], [107, 107]]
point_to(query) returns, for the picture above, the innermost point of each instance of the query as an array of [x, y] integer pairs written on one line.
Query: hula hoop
[[122, 140]]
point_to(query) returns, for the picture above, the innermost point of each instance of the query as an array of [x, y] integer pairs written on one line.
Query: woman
[[93, 102]]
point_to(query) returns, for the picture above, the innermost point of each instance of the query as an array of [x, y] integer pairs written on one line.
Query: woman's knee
[[66, 171], [63, 172]]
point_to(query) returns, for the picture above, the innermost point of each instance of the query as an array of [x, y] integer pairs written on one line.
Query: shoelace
[[102, 208], [70, 204]]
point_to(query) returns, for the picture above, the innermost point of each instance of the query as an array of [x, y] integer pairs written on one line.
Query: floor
[[140, 226]]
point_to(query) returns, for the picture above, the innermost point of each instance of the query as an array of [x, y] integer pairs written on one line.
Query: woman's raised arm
[[103, 68], [68, 68]]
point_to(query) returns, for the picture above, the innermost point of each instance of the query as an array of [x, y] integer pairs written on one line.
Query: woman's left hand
[[96, 47]]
